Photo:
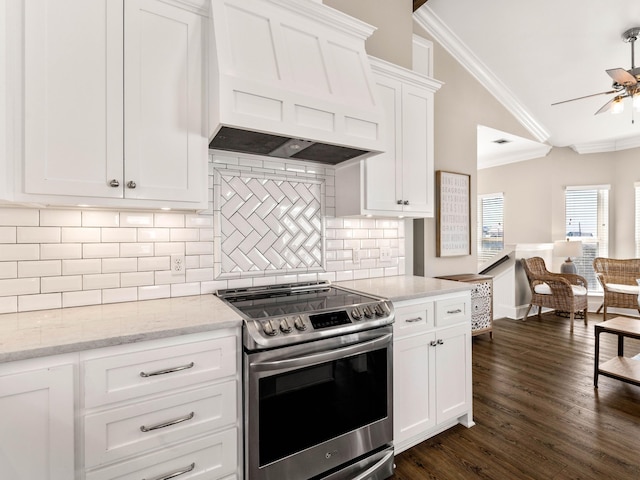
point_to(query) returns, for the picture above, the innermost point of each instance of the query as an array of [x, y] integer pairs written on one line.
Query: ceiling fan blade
[[622, 77], [586, 96], [606, 106]]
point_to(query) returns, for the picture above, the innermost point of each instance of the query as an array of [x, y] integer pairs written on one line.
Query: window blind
[[587, 219], [490, 225]]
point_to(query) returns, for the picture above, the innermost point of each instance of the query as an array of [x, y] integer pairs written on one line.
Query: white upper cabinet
[[400, 181], [113, 103]]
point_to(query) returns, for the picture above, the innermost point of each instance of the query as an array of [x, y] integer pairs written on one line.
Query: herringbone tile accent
[[270, 225]]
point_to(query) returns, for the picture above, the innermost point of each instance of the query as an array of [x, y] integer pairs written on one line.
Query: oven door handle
[[324, 356], [367, 473]]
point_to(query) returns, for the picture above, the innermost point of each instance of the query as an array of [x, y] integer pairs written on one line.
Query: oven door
[[311, 409]]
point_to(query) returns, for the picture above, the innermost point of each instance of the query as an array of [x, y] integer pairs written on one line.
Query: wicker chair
[[618, 280], [564, 292]]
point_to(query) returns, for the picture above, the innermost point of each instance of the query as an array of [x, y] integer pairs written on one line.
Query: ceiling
[[531, 54]]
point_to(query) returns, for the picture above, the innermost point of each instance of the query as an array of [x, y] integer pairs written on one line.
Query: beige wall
[[393, 20], [534, 194]]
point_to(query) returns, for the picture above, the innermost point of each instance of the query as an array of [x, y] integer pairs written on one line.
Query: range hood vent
[[291, 79]]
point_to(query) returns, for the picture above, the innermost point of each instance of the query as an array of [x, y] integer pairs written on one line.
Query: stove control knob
[[382, 310], [356, 313], [368, 311], [269, 328], [285, 327], [299, 324]]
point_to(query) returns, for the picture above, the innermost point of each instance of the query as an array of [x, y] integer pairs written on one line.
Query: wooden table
[[622, 368]]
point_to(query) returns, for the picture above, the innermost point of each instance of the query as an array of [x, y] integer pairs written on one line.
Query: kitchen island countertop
[[405, 287], [50, 332]]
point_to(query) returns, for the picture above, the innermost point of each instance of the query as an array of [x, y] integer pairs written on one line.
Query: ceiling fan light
[[636, 101], [617, 106]]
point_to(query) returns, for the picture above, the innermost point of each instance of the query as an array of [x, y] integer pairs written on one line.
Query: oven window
[[304, 407]]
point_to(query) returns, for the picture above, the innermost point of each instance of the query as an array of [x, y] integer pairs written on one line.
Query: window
[[490, 226], [587, 219], [637, 187]]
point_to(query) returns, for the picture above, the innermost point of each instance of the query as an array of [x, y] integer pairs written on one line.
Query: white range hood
[[291, 78]]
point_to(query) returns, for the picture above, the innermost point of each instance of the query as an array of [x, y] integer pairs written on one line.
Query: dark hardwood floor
[[536, 411]]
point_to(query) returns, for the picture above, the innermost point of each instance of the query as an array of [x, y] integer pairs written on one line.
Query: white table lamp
[[568, 249]]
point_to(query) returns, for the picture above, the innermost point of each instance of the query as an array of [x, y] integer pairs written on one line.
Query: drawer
[[412, 319], [130, 374], [451, 311], [117, 433], [212, 457]]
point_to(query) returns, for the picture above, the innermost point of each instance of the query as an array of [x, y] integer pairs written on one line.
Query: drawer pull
[[440, 341], [433, 343], [167, 370], [168, 423], [413, 320], [174, 474], [451, 312]]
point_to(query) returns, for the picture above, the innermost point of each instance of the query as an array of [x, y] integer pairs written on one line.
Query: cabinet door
[[73, 97], [414, 396], [165, 138], [383, 181], [36, 425], [417, 150], [453, 372]]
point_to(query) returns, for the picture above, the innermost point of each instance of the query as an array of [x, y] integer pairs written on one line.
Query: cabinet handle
[[440, 341], [131, 184], [457, 310], [114, 183], [174, 474], [167, 423], [399, 202], [406, 202], [167, 370], [412, 320], [433, 343]]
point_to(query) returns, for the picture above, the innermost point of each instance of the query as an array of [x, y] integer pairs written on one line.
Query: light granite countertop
[[405, 287], [66, 330]]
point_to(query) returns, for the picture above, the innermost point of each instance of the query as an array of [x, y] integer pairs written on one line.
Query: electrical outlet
[[385, 254], [177, 264], [355, 257]]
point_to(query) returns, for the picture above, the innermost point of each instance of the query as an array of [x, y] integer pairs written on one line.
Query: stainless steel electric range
[[317, 373]]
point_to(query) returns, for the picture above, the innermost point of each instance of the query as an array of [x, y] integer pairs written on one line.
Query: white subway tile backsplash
[[117, 295], [46, 301], [91, 218], [60, 251], [100, 281], [117, 265], [81, 267], [61, 284], [80, 235], [8, 269], [81, 298], [119, 235], [40, 268], [19, 286], [100, 250], [136, 250], [19, 217], [154, 291], [11, 252], [54, 258], [8, 304], [136, 219], [60, 218], [8, 234]]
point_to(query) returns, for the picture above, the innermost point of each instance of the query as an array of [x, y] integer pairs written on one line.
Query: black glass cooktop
[[282, 302]]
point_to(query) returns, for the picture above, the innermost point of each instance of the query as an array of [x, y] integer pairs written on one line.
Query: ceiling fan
[[625, 82]]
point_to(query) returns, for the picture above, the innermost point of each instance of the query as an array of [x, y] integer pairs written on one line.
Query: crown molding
[[428, 20], [608, 146], [538, 151]]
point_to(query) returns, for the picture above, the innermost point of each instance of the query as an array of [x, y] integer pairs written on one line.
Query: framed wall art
[[453, 214]]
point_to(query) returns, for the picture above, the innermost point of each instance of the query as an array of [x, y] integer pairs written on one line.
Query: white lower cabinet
[[37, 420], [163, 409], [432, 367]]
